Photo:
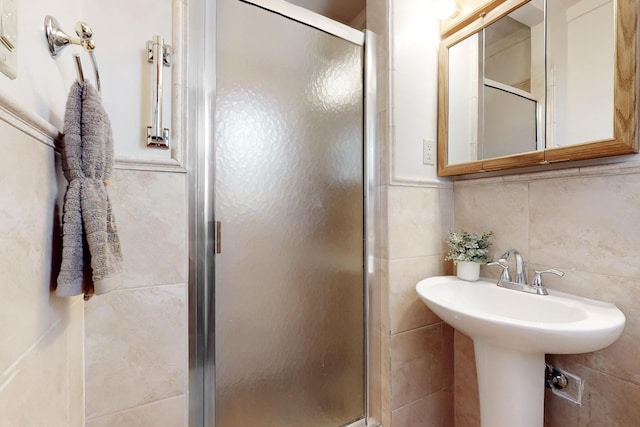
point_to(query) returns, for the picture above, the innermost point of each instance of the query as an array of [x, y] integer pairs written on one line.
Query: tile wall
[[41, 360], [119, 357], [419, 345], [136, 337], [376, 11], [416, 369], [582, 221]]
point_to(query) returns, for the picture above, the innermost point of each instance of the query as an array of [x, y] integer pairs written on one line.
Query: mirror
[[580, 71], [499, 107]]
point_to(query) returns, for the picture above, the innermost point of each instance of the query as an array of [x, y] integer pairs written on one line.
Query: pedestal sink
[[511, 332]]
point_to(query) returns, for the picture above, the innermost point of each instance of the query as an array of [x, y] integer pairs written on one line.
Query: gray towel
[[89, 235]]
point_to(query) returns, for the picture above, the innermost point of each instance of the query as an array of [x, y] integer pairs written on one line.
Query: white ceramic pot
[[468, 270]]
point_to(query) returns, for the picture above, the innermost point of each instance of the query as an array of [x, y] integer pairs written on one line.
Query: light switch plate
[[9, 37]]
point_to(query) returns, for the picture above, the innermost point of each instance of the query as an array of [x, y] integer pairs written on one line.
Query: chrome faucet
[[521, 272], [520, 282]]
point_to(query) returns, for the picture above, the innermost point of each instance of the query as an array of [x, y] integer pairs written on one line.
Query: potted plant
[[468, 250]]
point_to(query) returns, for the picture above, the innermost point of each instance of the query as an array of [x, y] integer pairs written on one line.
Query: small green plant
[[467, 246]]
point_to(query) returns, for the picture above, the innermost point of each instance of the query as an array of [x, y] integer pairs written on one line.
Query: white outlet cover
[[428, 152]]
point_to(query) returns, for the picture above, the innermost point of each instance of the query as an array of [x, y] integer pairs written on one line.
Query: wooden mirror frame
[[626, 97]]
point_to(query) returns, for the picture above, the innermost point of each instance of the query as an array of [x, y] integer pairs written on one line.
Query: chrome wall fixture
[[58, 40], [159, 55]]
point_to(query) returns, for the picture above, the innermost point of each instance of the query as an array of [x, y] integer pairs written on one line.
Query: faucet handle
[[505, 277], [537, 278]]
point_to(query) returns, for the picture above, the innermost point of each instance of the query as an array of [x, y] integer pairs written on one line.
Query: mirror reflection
[[508, 93], [580, 71], [513, 91], [497, 89]]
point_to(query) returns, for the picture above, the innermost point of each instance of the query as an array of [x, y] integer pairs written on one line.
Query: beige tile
[[385, 375], [448, 356], [150, 210], [620, 359], [28, 192], [586, 224], [75, 352], [383, 148], [435, 410], [376, 288], [375, 344], [35, 391], [385, 317], [501, 208], [135, 348], [467, 401], [375, 376], [407, 311], [420, 364], [419, 221], [607, 401], [169, 412], [383, 224], [559, 411]]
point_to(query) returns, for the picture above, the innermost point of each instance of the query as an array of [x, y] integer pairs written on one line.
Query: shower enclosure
[[280, 200]]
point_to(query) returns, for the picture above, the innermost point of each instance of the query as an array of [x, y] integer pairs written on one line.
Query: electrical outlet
[[428, 152]]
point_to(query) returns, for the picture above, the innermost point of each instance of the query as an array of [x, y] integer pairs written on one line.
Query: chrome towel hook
[[58, 40]]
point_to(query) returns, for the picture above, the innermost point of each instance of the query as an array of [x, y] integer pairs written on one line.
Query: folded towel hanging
[[89, 235]]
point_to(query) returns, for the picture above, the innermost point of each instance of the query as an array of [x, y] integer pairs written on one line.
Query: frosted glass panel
[[288, 192]]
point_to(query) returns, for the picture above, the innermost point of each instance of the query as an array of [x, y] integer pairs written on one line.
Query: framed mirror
[[507, 99]]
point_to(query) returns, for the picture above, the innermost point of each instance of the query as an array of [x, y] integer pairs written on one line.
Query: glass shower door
[[289, 316]]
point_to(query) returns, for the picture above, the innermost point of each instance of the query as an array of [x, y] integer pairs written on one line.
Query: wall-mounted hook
[[58, 40]]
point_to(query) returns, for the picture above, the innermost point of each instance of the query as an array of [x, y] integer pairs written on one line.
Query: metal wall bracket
[[157, 136], [167, 53], [58, 40]]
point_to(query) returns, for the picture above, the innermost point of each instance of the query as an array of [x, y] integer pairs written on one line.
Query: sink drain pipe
[[554, 378]]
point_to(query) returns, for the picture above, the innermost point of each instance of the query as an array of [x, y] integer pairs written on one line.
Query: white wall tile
[[407, 311], [151, 215], [421, 363], [419, 221], [169, 412], [28, 190], [35, 390], [501, 208], [587, 223], [135, 348]]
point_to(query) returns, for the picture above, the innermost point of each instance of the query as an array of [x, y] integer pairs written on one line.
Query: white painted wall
[[580, 74], [590, 72], [136, 364], [414, 39], [121, 29], [41, 84], [463, 101]]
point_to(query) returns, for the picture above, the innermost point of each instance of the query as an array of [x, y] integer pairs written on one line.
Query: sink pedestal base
[[511, 386]]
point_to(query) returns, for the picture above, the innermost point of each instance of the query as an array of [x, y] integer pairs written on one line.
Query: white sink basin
[[557, 323], [511, 332]]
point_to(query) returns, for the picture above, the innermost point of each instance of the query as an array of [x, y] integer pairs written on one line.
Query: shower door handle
[[218, 237]]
